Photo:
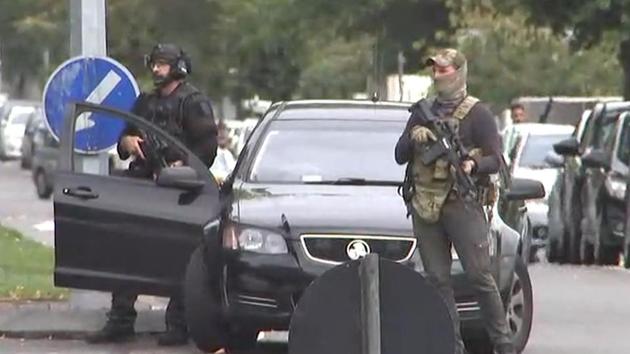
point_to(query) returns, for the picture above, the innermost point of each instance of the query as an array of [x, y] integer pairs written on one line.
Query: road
[[577, 310], [20, 208]]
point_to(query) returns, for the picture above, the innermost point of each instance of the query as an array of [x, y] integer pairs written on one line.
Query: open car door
[[117, 232]]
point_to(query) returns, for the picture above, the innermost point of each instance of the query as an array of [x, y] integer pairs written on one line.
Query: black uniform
[[187, 115]]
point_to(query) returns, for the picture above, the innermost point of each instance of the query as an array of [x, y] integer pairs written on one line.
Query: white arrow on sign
[[100, 93]]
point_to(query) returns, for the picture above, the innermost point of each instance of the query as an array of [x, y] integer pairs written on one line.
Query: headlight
[[253, 240], [616, 188]]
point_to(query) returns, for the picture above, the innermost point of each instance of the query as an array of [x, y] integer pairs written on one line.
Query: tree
[[585, 23], [509, 58]]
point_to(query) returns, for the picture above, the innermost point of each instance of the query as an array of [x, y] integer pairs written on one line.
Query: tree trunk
[[624, 60]]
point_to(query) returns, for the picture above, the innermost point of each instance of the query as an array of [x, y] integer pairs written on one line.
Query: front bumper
[[263, 290]]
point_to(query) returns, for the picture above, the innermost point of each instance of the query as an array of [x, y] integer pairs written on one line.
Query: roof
[[543, 128], [343, 110]]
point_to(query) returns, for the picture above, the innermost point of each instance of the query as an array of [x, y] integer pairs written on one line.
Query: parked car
[[44, 162], [35, 122], [15, 115], [604, 192], [533, 143], [579, 240], [313, 177], [46, 158]]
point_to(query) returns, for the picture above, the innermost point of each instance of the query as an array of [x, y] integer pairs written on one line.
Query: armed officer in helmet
[[185, 113], [442, 217]]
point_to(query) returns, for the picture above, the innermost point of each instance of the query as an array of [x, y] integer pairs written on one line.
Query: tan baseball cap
[[446, 57]]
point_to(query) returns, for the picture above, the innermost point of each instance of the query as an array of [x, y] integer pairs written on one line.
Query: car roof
[[341, 110], [543, 128]]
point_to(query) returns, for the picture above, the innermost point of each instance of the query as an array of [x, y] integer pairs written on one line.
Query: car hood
[[355, 209], [546, 176]]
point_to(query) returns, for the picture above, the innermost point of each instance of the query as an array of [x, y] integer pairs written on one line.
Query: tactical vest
[[168, 112], [433, 183]]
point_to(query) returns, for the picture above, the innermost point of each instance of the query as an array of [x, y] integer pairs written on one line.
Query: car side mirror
[[523, 189], [554, 160], [182, 177], [567, 147], [596, 159]]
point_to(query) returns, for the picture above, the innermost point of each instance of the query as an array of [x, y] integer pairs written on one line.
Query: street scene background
[[556, 58]]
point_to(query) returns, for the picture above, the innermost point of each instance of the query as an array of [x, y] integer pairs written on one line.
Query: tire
[[244, 339], [24, 164], [602, 253], [520, 306], [41, 185], [519, 313], [203, 306], [586, 251], [574, 235], [626, 255], [551, 251]]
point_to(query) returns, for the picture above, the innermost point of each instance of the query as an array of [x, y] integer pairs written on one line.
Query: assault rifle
[[447, 146]]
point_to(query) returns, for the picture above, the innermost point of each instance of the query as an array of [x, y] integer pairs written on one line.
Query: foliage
[[510, 57]]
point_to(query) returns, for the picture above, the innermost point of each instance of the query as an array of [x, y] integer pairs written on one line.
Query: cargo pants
[[463, 225]]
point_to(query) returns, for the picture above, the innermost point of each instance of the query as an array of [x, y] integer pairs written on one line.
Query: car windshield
[[20, 114], [536, 149], [328, 151]]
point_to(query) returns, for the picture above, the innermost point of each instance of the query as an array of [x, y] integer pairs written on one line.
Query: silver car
[[531, 149], [15, 115]]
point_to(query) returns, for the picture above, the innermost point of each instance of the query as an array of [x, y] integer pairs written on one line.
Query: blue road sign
[[99, 80]]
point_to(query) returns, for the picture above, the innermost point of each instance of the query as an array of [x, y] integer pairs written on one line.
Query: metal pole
[[88, 37], [370, 304]]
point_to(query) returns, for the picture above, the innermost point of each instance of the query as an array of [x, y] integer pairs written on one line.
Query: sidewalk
[[73, 319]]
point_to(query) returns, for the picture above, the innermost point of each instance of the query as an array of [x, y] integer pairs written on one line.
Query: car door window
[[158, 155], [604, 137], [623, 152]]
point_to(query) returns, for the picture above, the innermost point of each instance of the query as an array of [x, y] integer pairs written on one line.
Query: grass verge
[[26, 269]]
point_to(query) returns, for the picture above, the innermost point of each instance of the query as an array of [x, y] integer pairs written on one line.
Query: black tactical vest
[[168, 112]]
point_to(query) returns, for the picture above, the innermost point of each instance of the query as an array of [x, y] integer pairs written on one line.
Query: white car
[[13, 121], [531, 147]]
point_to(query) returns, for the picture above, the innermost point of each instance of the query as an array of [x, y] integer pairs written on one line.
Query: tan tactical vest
[[433, 183]]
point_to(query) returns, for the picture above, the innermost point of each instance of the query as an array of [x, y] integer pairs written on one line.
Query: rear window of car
[[536, 149], [302, 151]]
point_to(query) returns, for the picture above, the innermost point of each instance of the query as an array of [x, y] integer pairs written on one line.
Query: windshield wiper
[[353, 181]]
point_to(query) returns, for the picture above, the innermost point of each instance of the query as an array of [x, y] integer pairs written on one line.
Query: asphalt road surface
[[20, 208], [577, 310]]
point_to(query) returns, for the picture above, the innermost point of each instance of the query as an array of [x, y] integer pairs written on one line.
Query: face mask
[[451, 86]]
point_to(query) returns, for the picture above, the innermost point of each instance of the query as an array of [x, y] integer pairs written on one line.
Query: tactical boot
[[173, 337], [504, 348], [111, 333]]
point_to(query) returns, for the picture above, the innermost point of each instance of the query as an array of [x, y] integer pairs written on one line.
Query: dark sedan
[[315, 186]]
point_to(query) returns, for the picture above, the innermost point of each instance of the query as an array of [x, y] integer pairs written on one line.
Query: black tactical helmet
[[173, 55]]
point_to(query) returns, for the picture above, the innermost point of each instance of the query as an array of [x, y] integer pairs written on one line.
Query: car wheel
[[203, 306], [575, 237], [586, 251], [626, 255], [24, 163], [551, 251], [520, 307], [604, 254], [242, 339], [519, 313], [41, 185]]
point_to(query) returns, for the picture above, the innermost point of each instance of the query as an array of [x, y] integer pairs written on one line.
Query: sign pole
[[88, 38]]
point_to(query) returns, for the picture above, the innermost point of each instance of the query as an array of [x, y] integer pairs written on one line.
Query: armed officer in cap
[[185, 113], [442, 218]]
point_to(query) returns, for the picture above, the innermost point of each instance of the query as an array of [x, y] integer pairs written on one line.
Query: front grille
[[336, 249]]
